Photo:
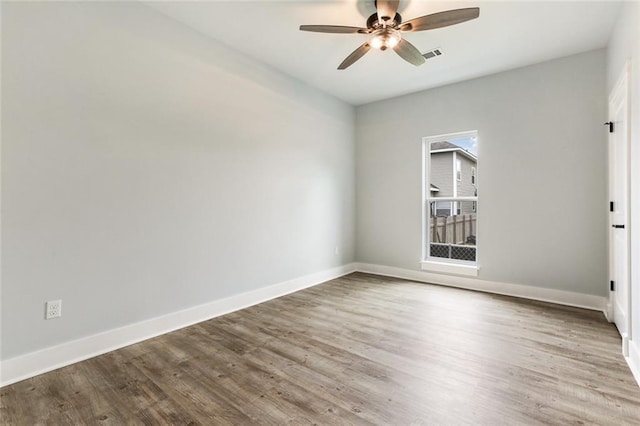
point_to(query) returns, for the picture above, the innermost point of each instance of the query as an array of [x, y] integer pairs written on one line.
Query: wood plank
[[360, 349]]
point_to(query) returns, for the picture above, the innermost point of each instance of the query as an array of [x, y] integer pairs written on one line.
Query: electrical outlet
[[53, 309]]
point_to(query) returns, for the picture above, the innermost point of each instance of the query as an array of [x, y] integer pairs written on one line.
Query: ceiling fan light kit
[[386, 27], [384, 38]]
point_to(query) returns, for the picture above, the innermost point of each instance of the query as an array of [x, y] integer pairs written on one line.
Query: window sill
[[450, 268]]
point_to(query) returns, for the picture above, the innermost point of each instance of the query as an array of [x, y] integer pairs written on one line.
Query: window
[[450, 219]]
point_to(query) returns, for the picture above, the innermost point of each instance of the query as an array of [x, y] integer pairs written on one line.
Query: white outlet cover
[[53, 309]]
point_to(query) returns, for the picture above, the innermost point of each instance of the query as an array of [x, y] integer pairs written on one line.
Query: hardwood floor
[[357, 350]]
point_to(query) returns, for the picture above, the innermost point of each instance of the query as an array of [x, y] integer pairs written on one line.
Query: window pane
[[452, 230], [452, 168], [451, 174]]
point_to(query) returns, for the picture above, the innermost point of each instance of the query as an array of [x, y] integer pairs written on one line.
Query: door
[[619, 210]]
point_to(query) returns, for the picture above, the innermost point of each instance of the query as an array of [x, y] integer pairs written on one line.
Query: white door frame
[[621, 89]]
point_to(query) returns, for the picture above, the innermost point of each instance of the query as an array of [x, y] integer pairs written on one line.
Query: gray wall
[[541, 145], [625, 45], [147, 169]]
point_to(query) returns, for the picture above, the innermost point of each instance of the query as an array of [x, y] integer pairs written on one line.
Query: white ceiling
[[507, 35]]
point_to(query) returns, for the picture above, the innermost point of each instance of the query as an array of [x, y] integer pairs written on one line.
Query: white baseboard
[[567, 298], [608, 311], [25, 366], [634, 359], [48, 359]]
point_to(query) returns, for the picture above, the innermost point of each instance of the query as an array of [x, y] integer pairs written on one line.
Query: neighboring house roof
[[445, 146], [437, 146], [434, 188]]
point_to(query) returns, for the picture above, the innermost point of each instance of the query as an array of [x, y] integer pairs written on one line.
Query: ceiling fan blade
[[386, 9], [441, 19], [334, 29], [354, 56], [409, 52]]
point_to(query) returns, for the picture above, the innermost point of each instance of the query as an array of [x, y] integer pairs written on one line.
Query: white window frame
[[458, 169], [439, 265]]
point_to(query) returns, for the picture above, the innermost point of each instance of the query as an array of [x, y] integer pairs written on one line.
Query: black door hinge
[[610, 124], [613, 286], [610, 206], [618, 226]]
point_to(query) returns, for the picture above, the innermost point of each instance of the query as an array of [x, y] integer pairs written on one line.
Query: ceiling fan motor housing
[[374, 23]]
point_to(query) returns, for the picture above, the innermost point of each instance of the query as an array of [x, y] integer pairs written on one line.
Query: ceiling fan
[[386, 28]]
